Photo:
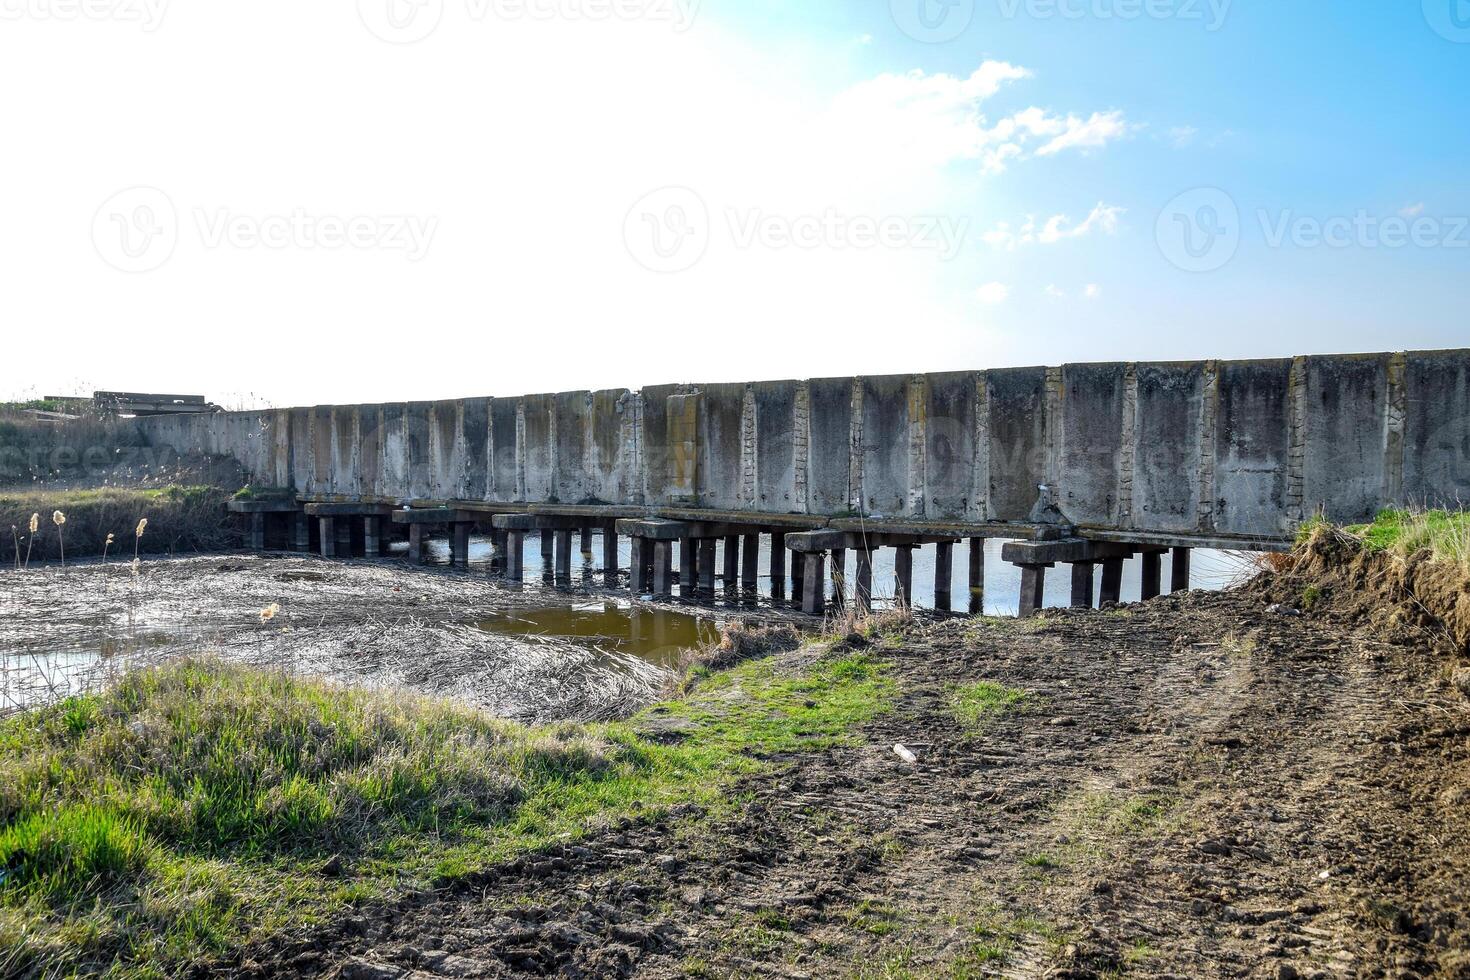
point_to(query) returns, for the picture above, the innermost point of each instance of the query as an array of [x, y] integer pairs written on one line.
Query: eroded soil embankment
[[1194, 786]]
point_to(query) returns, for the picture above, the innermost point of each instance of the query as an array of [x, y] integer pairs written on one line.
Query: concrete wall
[[1248, 448]]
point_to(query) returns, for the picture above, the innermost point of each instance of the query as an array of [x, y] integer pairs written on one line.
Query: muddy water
[[658, 636]]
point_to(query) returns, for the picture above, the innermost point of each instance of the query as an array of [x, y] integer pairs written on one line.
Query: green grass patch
[[199, 806], [977, 705], [1444, 533]]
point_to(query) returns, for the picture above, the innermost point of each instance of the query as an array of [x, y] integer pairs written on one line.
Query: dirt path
[[1192, 787]]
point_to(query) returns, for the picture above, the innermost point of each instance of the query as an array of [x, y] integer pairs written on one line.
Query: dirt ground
[[1195, 786]]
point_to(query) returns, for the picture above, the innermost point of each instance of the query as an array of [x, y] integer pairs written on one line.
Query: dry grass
[[179, 519]]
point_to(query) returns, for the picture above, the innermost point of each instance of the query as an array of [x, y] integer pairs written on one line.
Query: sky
[[285, 203]]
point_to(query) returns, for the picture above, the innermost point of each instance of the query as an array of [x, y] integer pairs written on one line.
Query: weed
[[976, 705]]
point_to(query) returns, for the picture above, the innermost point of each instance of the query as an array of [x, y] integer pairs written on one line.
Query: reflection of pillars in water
[[903, 576], [839, 578], [660, 632], [688, 566], [943, 575], [1082, 576], [547, 548], [706, 568], [778, 564], [563, 558], [609, 555], [977, 576], [587, 545], [863, 594], [751, 570], [663, 569], [515, 556]]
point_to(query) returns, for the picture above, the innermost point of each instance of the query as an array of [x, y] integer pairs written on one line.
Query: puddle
[[658, 636]]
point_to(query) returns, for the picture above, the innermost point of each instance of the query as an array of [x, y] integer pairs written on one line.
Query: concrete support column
[[862, 596], [706, 568], [372, 541], [344, 539], [328, 536], [515, 556], [1153, 573], [1179, 570], [1082, 584], [609, 555], [732, 562], [257, 532], [459, 544], [977, 576], [813, 583], [587, 544], [1112, 581], [943, 574], [688, 566], [663, 569], [778, 563], [563, 557], [839, 578], [751, 567], [647, 563], [638, 569], [416, 544], [798, 578], [300, 532], [1033, 587], [903, 576], [548, 549]]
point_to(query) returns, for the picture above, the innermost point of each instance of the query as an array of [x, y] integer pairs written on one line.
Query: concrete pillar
[[587, 544], [1112, 581], [328, 536], [751, 567], [647, 562], [459, 544], [1153, 573], [1179, 570], [813, 583], [706, 568], [862, 596], [688, 566], [344, 539], [416, 543], [943, 574], [300, 532], [732, 562], [637, 569], [977, 576], [839, 578], [548, 549], [903, 576], [257, 532], [1082, 584], [563, 557], [778, 563], [609, 556], [1033, 583], [372, 542], [798, 578], [515, 556], [663, 569]]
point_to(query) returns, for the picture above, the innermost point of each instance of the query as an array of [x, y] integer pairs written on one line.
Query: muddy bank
[[1195, 786], [528, 654]]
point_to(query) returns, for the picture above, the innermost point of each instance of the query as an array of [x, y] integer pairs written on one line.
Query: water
[[658, 636]]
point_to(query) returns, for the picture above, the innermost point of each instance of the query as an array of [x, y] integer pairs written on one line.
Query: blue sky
[[433, 198]]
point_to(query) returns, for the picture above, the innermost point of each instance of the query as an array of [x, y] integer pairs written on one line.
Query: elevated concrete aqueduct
[[1085, 464]]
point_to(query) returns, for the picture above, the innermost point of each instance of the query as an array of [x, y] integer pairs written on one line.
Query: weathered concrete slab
[[1344, 418], [1436, 429], [887, 446], [829, 447], [1017, 448], [1095, 398], [1252, 447], [1165, 490]]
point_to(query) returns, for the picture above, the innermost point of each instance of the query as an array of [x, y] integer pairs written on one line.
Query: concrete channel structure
[[1085, 464]]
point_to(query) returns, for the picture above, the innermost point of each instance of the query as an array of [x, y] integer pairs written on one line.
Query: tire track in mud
[[1192, 787]]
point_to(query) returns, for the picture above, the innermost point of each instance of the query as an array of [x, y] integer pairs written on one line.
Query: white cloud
[[1054, 291], [993, 293], [1182, 136], [1103, 219], [1412, 210], [1092, 291], [865, 39]]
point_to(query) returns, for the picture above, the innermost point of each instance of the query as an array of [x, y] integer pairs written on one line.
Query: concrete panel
[[775, 447], [476, 475], [609, 477], [1347, 401], [886, 446], [1437, 429], [446, 450], [655, 441], [1092, 440], [573, 484], [1166, 453], [829, 446], [949, 447], [418, 438], [301, 449], [393, 480], [536, 448], [321, 450], [503, 470], [281, 430], [345, 476], [370, 448], [721, 409], [1017, 431], [1252, 445]]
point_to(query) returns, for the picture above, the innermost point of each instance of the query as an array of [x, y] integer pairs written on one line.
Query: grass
[[977, 705], [180, 518], [1446, 534], [199, 806]]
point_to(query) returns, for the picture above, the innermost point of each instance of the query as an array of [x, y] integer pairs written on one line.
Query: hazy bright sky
[[290, 202]]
